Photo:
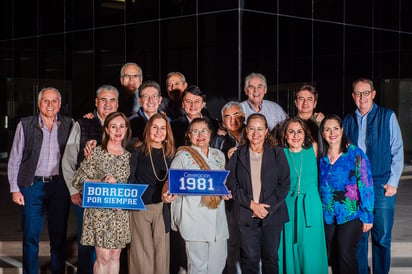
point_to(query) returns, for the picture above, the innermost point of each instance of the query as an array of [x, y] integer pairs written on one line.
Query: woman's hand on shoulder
[[231, 151]]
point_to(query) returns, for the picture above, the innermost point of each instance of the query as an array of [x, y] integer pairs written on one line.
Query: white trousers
[[206, 257]]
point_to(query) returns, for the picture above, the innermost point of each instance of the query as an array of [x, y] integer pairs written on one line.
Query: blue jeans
[[86, 255], [51, 200], [381, 233]]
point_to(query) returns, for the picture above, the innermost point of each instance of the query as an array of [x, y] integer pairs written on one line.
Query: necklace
[[296, 170], [153, 168]]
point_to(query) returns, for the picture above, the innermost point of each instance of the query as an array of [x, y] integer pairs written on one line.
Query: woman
[[259, 181], [346, 190], [201, 220], [107, 229], [303, 245], [194, 106], [149, 164]]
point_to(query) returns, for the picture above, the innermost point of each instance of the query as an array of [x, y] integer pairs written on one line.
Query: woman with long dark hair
[[346, 190]]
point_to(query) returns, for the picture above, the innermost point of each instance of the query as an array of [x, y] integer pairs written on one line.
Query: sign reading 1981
[[198, 182]]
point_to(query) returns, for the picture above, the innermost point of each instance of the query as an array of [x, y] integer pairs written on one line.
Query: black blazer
[[275, 185]]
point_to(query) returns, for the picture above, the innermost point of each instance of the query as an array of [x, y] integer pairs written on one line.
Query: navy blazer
[[275, 185]]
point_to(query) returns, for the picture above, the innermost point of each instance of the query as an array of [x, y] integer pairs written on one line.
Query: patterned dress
[[102, 227]]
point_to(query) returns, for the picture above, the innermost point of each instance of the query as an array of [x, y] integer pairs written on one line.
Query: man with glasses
[[255, 89], [149, 100], [131, 77], [376, 131]]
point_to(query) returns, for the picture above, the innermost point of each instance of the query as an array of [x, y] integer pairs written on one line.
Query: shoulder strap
[[196, 156]]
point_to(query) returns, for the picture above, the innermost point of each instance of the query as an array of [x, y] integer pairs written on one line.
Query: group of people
[[304, 191]]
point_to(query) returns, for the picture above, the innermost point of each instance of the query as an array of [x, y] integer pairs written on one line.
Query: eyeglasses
[[130, 76], [146, 97], [362, 93], [201, 132]]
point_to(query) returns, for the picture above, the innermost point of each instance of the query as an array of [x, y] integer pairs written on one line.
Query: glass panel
[[359, 12], [51, 16], [296, 8], [143, 48], [404, 16], [329, 10], [359, 53], [218, 59], [386, 14], [109, 55], [81, 71], [178, 50], [51, 57], [216, 5], [259, 49], [386, 54], [24, 19], [78, 14], [175, 8], [266, 6], [108, 12], [142, 10], [328, 68]]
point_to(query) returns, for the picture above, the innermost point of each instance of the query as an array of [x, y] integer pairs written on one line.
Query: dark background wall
[[78, 45]]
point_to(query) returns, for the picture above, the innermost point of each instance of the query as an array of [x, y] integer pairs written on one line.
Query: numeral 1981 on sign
[[196, 184]]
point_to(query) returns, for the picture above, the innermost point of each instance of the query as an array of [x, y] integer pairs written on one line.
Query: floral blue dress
[[346, 187]]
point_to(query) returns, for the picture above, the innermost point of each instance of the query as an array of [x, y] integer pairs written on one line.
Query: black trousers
[[259, 243], [342, 244]]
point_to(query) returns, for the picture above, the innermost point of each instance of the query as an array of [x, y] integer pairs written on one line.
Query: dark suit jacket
[[275, 185]]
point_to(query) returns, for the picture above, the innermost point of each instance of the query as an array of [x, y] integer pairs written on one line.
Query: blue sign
[[198, 182], [105, 195]]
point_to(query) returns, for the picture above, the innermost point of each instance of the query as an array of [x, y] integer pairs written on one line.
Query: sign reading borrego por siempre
[[105, 195], [198, 182]]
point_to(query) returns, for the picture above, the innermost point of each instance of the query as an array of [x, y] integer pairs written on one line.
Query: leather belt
[[45, 179]]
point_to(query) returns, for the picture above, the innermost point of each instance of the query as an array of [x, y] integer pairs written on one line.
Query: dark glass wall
[[78, 45]]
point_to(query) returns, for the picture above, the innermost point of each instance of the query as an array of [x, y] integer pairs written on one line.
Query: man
[[149, 99], [36, 180], [376, 131], [84, 130], [193, 104], [131, 77], [172, 106], [306, 98], [255, 89], [233, 121]]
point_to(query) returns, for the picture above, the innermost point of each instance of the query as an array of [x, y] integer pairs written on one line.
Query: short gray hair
[[130, 64], [170, 74], [254, 75], [48, 88], [231, 104], [107, 87]]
